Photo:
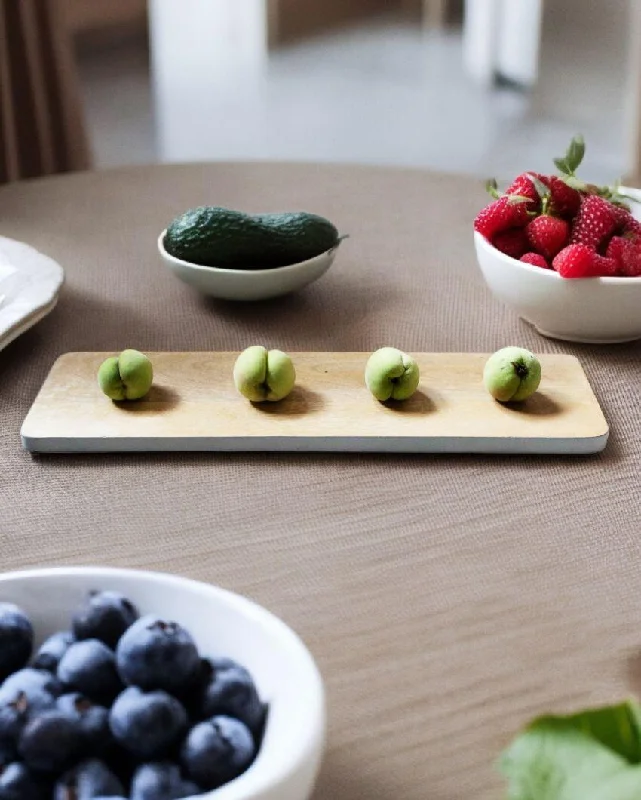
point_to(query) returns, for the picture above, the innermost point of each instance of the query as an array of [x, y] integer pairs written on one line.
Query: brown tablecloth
[[446, 599]]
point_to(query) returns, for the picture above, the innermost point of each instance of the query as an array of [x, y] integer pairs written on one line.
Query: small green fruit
[[391, 374], [512, 374], [126, 377], [262, 375]]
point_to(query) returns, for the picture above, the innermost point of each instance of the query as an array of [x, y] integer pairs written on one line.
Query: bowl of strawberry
[[565, 254]]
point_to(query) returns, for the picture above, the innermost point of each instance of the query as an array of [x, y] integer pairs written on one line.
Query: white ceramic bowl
[[591, 310], [222, 624], [247, 284]]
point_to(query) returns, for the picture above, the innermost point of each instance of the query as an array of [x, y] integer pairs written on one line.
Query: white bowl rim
[[249, 272], [308, 743], [547, 274]]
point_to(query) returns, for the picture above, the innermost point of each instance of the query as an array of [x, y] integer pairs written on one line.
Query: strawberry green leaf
[[575, 153], [562, 166], [516, 199], [575, 183], [541, 189], [492, 188]]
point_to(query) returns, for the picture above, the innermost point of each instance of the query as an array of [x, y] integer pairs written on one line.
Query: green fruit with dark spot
[[512, 374], [219, 237]]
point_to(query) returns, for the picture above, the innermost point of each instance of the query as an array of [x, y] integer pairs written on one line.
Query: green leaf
[[625, 785], [551, 759], [592, 755], [517, 199], [562, 166], [575, 153], [541, 189], [575, 183], [492, 188]]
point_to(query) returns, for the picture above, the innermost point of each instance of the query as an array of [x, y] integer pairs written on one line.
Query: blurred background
[[487, 87]]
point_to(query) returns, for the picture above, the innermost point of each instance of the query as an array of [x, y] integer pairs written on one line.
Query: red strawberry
[[626, 223], [565, 200], [536, 260], [513, 242], [627, 253], [501, 215], [548, 235], [524, 187], [632, 262], [595, 221], [576, 261], [605, 267], [616, 249]]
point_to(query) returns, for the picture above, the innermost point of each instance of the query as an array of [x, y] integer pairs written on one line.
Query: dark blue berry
[[155, 654], [18, 783], [16, 639], [93, 719], [147, 724], [161, 781], [86, 781], [22, 696], [52, 650], [51, 742], [8, 753], [217, 751], [231, 692], [105, 616], [28, 679], [89, 667]]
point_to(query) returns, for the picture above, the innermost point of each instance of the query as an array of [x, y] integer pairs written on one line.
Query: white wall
[[584, 59]]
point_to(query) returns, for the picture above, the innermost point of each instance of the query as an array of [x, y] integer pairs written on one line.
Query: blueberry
[[52, 650], [51, 742], [147, 724], [161, 781], [22, 696], [105, 616], [87, 780], [18, 783], [28, 679], [89, 667], [231, 692], [8, 753], [217, 751], [155, 654], [94, 721], [16, 639]]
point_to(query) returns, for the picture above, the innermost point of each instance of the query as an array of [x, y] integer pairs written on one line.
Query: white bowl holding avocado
[[236, 256]]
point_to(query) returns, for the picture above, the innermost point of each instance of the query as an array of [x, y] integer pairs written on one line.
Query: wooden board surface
[[194, 405]]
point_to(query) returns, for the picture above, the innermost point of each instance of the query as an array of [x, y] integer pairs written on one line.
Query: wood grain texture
[[193, 404]]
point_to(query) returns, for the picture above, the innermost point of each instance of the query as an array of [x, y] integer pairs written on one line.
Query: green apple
[[126, 377], [391, 374], [512, 374], [261, 374]]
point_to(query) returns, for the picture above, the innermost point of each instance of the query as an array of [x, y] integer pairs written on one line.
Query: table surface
[[446, 599]]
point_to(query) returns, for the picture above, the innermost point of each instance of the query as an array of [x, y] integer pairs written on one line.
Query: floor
[[379, 93]]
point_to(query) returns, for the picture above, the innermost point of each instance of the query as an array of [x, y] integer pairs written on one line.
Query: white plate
[[29, 286]]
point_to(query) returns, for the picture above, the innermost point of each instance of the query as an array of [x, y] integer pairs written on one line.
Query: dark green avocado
[[219, 237]]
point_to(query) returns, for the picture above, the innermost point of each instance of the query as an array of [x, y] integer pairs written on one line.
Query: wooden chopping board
[[193, 405]]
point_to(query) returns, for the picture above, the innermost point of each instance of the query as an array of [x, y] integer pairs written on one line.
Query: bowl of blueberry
[[127, 685]]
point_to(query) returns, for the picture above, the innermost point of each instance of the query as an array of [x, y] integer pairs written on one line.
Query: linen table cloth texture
[[447, 599]]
